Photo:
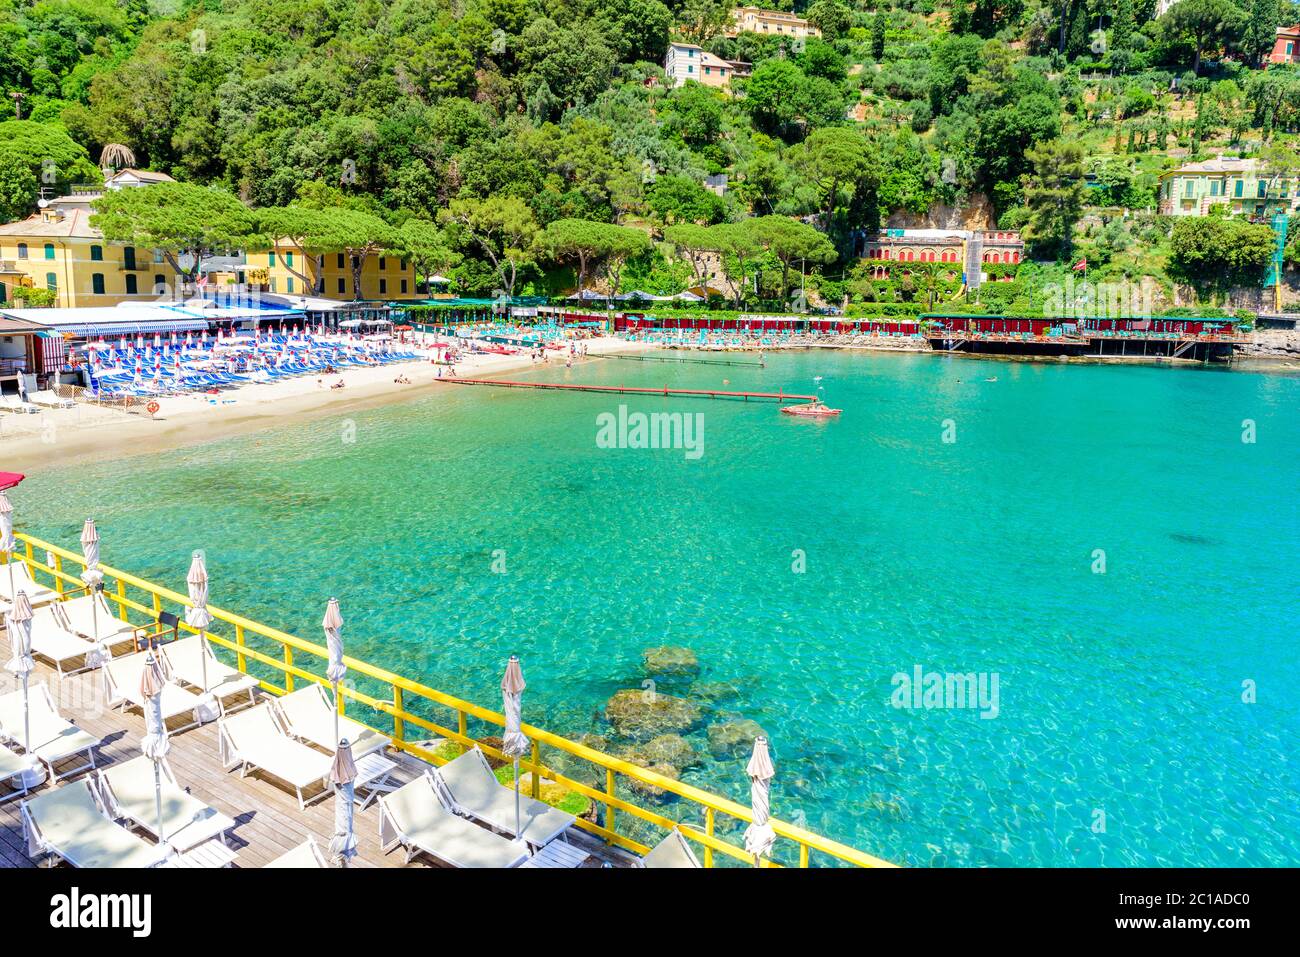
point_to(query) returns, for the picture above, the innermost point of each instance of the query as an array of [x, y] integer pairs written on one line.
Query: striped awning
[[131, 328]]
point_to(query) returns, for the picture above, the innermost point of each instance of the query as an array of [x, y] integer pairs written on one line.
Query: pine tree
[[1121, 35], [878, 36]]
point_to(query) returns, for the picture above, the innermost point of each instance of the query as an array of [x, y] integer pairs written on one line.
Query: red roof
[[10, 479]]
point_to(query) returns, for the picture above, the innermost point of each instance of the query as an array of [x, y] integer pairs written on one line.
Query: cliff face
[[977, 213]]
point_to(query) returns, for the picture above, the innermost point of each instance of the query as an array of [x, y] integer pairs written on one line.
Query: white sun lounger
[[128, 793], [672, 851], [68, 823], [89, 616], [12, 767], [15, 403], [468, 786], [54, 740], [122, 689], [253, 739], [305, 855], [308, 714], [50, 399], [23, 581], [185, 662], [52, 640], [413, 817]]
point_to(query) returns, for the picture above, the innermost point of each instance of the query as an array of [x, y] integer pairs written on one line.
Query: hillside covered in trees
[[512, 137]]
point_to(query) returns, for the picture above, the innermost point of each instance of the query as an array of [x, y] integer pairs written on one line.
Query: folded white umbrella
[[514, 743], [92, 576], [333, 625], [198, 615], [7, 543], [759, 836], [154, 744], [343, 772], [21, 664]]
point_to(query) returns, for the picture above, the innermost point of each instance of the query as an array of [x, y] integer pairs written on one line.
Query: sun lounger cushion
[[187, 821], [309, 714], [122, 676], [23, 581], [672, 851], [258, 740], [474, 790], [90, 617], [306, 854], [68, 822], [53, 738], [185, 661], [413, 816], [51, 640]]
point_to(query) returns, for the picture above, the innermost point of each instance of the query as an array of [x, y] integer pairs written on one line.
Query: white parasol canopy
[[514, 742], [198, 615], [154, 744], [343, 772], [8, 544], [21, 664], [759, 836], [333, 625]]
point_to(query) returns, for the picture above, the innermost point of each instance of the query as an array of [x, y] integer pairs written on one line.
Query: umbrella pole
[[27, 719], [336, 711], [157, 793], [517, 815]]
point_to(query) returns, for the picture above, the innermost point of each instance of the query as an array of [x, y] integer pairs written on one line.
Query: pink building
[[1286, 48]]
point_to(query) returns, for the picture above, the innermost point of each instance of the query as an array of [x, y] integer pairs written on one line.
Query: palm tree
[[115, 156], [929, 281]]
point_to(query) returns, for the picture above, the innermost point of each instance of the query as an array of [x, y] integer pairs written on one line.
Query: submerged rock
[[734, 739], [642, 715], [670, 749], [714, 692], [651, 791], [668, 660]]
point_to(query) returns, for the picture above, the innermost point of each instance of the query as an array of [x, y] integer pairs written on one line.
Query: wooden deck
[[268, 821]]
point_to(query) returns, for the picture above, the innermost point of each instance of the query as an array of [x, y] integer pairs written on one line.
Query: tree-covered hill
[[524, 113]]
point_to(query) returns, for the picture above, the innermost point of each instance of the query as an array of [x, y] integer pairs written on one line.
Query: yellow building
[[382, 276], [757, 20], [58, 249]]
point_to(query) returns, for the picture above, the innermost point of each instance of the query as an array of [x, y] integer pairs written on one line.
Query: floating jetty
[[635, 390], [693, 361]]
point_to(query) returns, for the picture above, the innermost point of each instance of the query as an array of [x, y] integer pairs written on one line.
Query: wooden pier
[[693, 361], [268, 822], [635, 390]]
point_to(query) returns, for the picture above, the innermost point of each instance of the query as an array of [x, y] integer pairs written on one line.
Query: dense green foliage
[[518, 144]]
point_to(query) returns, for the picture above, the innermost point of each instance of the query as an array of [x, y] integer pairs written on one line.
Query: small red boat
[[813, 410]]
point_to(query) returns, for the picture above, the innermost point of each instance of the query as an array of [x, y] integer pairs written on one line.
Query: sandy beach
[[60, 437]]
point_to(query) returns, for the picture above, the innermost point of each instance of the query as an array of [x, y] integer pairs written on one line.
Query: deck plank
[[268, 820]]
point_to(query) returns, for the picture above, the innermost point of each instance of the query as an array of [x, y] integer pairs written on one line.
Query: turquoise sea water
[[1119, 693]]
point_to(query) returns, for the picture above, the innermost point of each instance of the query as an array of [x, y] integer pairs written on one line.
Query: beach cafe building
[[42, 342], [27, 348]]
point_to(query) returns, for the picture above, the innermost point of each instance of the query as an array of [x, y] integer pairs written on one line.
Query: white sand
[[59, 437]]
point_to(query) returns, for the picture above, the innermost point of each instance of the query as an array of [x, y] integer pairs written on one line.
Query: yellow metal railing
[[233, 632]]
